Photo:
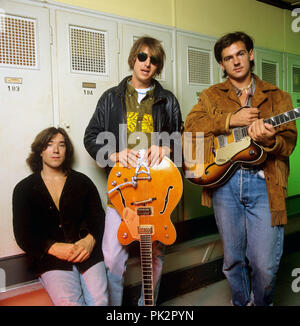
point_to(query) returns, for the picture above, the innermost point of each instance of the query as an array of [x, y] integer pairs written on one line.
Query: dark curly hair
[[230, 38], [34, 159]]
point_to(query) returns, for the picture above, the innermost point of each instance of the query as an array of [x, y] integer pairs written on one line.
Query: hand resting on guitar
[[129, 157], [155, 154], [244, 117]]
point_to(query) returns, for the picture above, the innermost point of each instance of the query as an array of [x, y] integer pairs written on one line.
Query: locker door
[[196, 70], [269, 67], [293, 87], [25, 99], [132, 32], [87, 65]]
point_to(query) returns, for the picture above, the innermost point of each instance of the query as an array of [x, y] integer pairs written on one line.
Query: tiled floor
[[218, 294]]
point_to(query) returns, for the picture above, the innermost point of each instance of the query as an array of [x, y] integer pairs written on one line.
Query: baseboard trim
[[179, 282], [192, 278]]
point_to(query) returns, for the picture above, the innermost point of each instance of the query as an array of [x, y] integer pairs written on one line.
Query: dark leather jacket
[[111, 111]]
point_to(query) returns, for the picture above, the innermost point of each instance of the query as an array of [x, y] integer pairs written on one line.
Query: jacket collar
[[260, 95], [158, 89]]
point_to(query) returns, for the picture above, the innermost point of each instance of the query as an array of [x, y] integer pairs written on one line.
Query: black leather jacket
[[111, 111]]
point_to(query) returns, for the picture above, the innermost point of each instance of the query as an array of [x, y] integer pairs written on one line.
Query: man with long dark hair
[[59, 221], [250, 207]]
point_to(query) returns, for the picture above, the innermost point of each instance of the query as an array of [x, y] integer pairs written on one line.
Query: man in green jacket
[[250, 207]]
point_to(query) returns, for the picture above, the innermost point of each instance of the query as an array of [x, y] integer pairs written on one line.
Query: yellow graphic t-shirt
[[139, 118]]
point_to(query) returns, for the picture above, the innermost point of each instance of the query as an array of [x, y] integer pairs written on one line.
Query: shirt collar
[[131, 90]]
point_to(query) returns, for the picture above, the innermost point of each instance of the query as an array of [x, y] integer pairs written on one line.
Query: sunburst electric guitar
[[145, 198], [230, 151]]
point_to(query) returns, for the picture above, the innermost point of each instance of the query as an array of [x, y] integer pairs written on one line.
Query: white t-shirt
[[142, 93]]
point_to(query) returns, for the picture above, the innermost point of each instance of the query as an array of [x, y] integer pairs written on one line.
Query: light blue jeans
[[116, 256], [252, 247], [72, 288]]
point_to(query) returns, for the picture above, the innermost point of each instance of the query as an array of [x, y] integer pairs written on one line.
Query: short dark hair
[[230, 38], [39, 144], [155, 48]]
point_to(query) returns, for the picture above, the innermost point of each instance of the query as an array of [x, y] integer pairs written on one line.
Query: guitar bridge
[[143, 202]]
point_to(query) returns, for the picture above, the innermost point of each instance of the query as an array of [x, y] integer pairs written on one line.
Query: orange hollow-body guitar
[[145, 198], [152, 193]]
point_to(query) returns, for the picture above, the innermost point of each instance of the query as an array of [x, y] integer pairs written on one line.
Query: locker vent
[[296, 79], [269, 72], [88, 50], [199, 66], [18, 42]]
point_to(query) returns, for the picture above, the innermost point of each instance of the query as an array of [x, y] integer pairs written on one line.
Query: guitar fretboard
[[146, 264], [275, 121]]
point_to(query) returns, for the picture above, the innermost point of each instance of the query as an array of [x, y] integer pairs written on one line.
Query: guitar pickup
[[148, 211], [146, 229]]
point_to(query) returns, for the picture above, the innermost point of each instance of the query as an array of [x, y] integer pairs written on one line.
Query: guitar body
[[152, 199], [229, 152], [224, 161]]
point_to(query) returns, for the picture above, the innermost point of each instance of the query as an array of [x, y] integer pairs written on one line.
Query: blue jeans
[[72, 288], [116, 256], [252, 247]]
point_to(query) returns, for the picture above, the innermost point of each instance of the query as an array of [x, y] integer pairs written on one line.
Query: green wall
[[269, 26]]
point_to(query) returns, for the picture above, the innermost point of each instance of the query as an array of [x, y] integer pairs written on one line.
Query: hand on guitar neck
[[262, 133], [243, 145]]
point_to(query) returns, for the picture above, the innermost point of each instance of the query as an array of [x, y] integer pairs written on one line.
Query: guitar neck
[[285, 117], [275, 121], [146, 265]]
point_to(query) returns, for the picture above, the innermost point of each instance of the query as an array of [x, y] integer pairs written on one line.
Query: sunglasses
[[142, 56]]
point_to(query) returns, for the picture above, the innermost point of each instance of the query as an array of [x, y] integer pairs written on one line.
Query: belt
[[244, 166]]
